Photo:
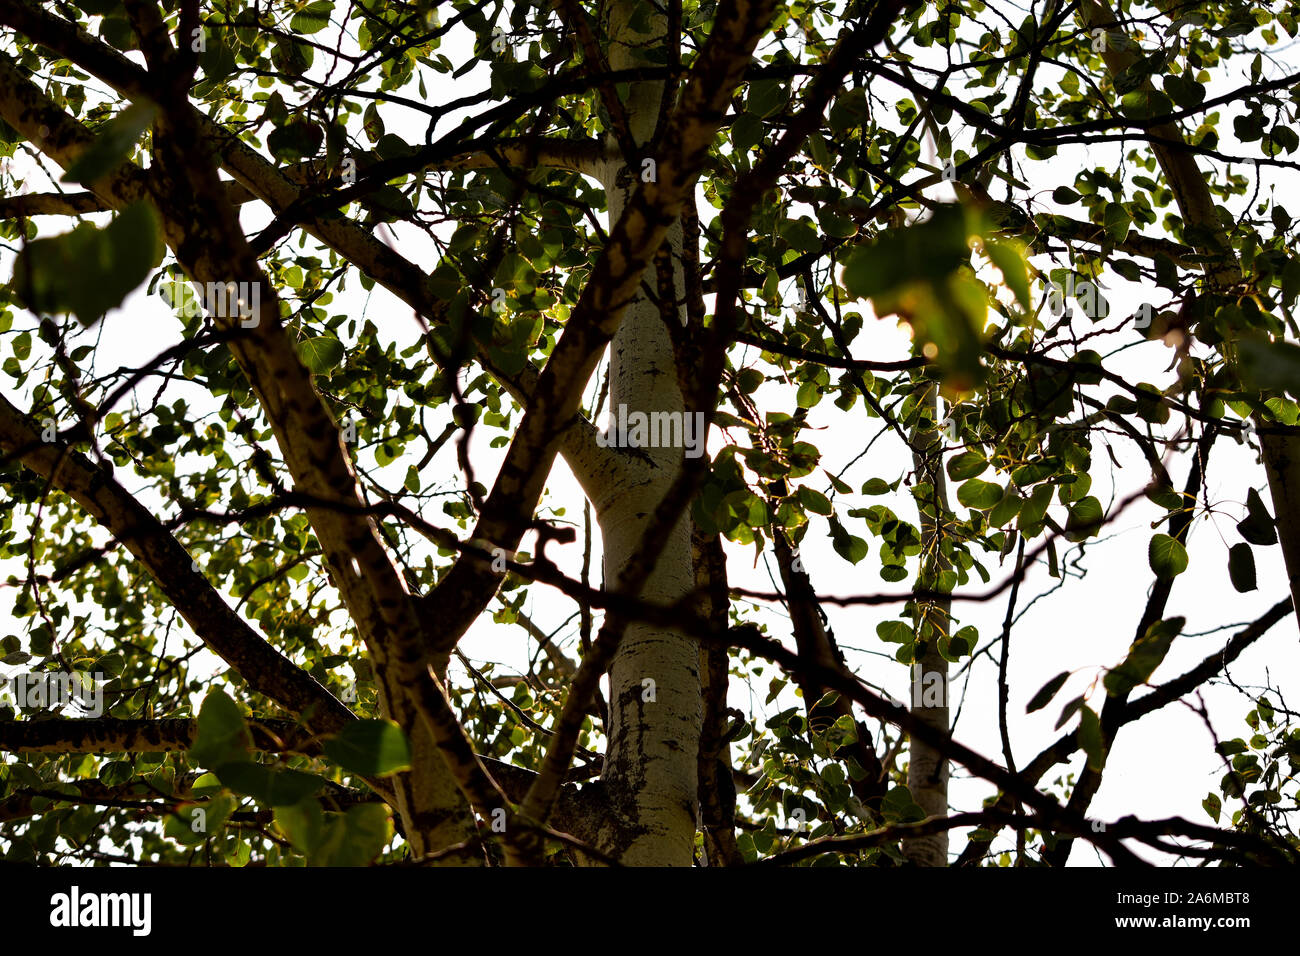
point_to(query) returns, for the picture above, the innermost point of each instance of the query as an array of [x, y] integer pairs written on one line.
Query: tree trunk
[[434, 812], [655, 696], [1281, 454], [927, 769], [1279, 449]]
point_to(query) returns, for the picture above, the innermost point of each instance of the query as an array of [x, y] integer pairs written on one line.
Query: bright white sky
[[1163, 766]]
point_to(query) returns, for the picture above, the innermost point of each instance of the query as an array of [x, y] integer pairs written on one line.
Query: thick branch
[[49, 204], [124, 735]]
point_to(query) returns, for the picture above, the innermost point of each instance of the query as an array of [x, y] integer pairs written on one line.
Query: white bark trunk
[[927, 768], [655, 706]]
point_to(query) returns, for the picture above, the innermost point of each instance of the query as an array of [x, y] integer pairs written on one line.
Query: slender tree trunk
[[655, 695], [1281, 454], [927, 769], [1280, 449]]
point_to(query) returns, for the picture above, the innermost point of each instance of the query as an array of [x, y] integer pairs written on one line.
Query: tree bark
[[655, 696], [1280, 446], [927, 768]]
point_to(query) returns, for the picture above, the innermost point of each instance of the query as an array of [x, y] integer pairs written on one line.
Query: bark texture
[[927, 767], [655, 698]]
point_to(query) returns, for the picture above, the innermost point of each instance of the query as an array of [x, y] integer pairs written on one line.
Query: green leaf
[[391, 146], [1248, 127], [893, 572], [89, 270], [843, 487], [193, 824], [1047, 692], [895, 632], [1005, 510], [801, 235], [1257, 527], [1144, 104], [966, 465], [114, 144], [303, 823], [848, 546], [312, 18], [1034, 472], [1117, 221], [269, 785], [1068, 711], [1084, 520], [1090, 739], [1271, 365], [206, 784], [1076, 490], [372, 748], [1127, 268], [1150, 404], [1241, 567], [1280, 139], [961, 643], [117, 32], [218, 59], [814, 500], [749, 379], [836, 226], [1065, 195], [321, 354], [922, 274], [1188, 94], [1167, 556], [746, 132], [766, 97], [928, 251], [355, 838], [1009, 257], [295, 141], [899, 806], [850, 111], [372, 123], [222, 735], [1213, 806], [979, 495], [1143, 657]]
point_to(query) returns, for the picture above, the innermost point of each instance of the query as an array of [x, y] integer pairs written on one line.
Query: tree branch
[[128, 735], [263, 668]]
